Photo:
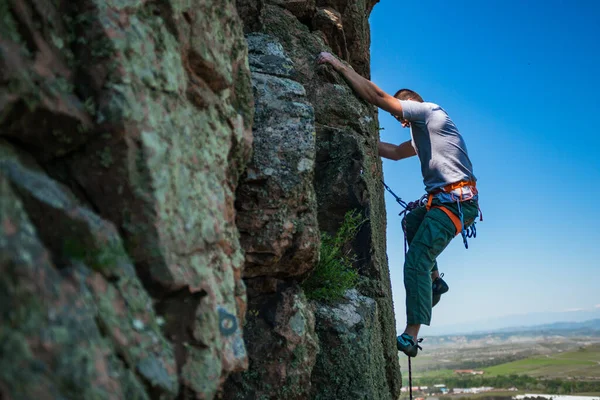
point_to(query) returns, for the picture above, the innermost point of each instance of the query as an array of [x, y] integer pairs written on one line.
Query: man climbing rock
[[452, 200]]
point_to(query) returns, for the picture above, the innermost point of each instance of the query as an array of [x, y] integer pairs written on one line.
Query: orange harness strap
[[455, 220], [429, 200], [449, 188], [457, 185]]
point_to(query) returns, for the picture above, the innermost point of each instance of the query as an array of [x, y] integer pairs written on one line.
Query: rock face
[[277, 218], [124, 279], [276, 201], [355, 359], [80, 320], [166, 171], [352, 332]]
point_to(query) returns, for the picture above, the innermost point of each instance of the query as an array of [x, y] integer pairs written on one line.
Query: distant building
[[556, 397], [467, 372], [472, 390]]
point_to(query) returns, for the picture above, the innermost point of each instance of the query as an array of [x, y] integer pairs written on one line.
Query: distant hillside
[[593, 324], [513, 322], [589, 328]]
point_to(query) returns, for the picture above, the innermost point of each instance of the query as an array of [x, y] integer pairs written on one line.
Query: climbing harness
[[427, 199], [459, 224]]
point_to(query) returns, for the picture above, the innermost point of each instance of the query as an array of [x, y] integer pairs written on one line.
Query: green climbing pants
[[428, 233]]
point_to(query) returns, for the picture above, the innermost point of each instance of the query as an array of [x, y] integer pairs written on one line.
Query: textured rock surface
[[143, 110], [276, 201], [72, 305], [354, 361], [277, 218], [125, 130], [282, 345], [347, 177]]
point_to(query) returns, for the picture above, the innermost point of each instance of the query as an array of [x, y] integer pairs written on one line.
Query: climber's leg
[[432, 237]]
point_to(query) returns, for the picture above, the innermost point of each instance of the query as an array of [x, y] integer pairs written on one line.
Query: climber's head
[[407, 94]]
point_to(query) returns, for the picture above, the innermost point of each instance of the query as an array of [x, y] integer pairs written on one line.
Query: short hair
[[406, 94]]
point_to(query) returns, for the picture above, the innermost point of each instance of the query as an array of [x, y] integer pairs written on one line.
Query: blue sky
[[521, 80]]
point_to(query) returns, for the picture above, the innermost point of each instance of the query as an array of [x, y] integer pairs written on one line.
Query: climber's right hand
[[328, 58]]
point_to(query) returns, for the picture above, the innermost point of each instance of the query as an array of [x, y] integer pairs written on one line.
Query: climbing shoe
[[407, 345], [438, 288]]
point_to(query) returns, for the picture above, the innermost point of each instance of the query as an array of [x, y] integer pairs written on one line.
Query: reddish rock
[[276, 200], [282, 347], [40, 107], [144, 109], [302, 9], [329, 22], [81, 324]]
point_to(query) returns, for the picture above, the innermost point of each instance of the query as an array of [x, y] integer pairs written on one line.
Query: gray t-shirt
[[440, 147]]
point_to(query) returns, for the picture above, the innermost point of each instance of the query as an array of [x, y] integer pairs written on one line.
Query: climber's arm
[[365, 88], [396, 152]]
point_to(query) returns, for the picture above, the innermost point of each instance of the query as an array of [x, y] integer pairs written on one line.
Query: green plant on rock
[[334, 274]]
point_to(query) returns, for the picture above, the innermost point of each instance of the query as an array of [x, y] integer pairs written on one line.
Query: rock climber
[[452, 199]]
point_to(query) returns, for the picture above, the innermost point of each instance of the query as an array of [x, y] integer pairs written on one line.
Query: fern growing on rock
[[334, 274]]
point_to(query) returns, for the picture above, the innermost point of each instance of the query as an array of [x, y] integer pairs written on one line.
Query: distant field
[[439, 374], [496, 394], [583, 363], [480, 354]]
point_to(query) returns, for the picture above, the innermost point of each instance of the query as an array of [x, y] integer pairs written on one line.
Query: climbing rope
[[408, 207], [410, 378], [410, 369]]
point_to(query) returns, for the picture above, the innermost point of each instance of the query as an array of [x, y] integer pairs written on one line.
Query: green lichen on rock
[[144, 109], [83, 245], [8, 26], [172, 172], [125, 313], [104, 259], [50, 345], [86, 238], [202, 371], [276, 193], [282, 348], [39, 97], [347, 168], [353, 364]]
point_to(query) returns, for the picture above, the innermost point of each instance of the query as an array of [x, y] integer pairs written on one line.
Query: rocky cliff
[[167, 169]]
